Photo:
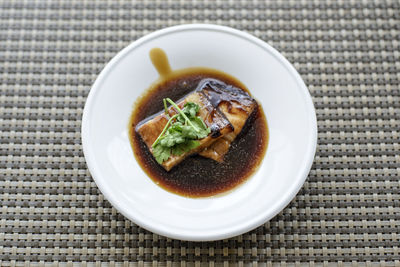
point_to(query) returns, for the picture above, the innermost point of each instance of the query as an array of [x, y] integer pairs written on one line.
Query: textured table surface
[[348, 211]]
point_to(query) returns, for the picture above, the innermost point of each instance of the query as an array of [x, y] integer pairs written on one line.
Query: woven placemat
[[348, 211]]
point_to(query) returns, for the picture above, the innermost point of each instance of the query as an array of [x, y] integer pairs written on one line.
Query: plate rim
[[241, 228]]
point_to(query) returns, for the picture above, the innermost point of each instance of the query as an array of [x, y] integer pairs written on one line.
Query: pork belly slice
[[237, 106], [150, 128]]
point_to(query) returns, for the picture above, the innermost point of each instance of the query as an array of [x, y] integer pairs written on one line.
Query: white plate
[[270, 78]]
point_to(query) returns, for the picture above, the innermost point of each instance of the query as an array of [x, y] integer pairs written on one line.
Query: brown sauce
[[197, 176]]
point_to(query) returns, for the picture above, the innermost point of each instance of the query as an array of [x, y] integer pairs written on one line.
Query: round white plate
[[271, 79]]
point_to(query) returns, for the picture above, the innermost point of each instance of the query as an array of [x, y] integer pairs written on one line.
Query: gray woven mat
[[348, 211]]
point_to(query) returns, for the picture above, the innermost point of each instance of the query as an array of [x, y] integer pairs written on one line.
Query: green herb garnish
[[181, 132]]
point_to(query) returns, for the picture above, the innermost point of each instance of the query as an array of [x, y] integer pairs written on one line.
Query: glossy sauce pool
[[197, 176]]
